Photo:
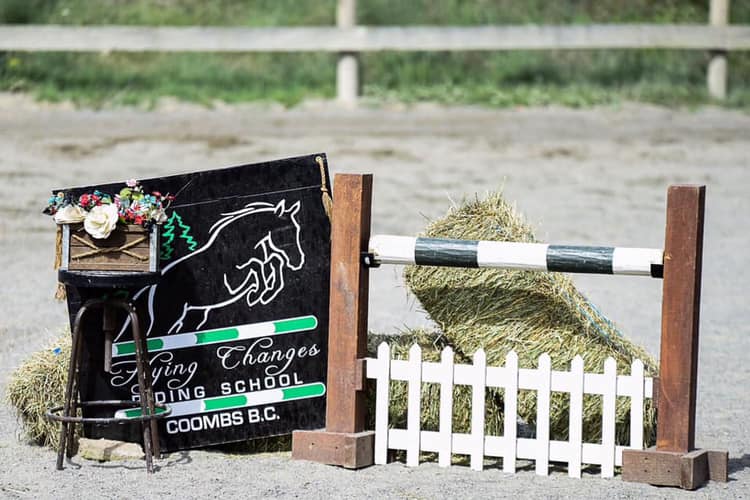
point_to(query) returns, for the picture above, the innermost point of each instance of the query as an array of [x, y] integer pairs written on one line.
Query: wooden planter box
[[130, 248]]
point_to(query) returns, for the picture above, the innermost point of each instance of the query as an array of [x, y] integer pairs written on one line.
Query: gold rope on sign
[[60, 290], [326, 196]]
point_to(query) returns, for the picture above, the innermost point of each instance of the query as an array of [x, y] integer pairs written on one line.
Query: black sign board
[[238, 325]]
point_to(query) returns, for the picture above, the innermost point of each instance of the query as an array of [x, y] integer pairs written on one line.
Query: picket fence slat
[[414, 407], [636, 405], [477, 409], [446, 408], [510, 427], [510, 378], [575, 431], [542, 412], [382, 397], [609, 401]]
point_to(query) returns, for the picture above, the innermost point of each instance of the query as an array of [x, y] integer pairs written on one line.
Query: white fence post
[[347, 69], [510, 427], [479, 385], [542, 415], [717, 66], [414, 408], [382, 399], [575, 432], [609, 401], [446, 408]]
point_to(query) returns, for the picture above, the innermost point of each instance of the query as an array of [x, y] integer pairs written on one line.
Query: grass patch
[[497, 79]]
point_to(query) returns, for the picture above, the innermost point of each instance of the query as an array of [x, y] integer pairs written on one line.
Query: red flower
[[138, 219]]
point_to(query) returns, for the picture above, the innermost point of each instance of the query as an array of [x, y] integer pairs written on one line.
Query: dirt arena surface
[[594, 176]]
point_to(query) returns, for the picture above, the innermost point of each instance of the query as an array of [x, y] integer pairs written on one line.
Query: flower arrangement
[[100, 212]]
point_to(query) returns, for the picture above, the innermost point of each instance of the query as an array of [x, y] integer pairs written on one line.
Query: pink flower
[[131, 183]]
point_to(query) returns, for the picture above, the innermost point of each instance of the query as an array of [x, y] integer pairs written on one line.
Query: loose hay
[[37, 385], [526, 311]]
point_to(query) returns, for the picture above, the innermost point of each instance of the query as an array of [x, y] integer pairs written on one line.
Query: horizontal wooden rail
[[368, 39]]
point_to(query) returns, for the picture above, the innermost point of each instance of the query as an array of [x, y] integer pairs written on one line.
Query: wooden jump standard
[[673, 462]]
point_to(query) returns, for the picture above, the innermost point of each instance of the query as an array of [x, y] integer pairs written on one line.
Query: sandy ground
[[596, 176]]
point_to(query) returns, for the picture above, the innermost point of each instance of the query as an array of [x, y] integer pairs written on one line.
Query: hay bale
[[39, 384], [529, 312]]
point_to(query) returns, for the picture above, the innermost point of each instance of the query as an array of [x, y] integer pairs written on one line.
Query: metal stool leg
[[149, 393], [71, 384], [141, 363], [74, 395]]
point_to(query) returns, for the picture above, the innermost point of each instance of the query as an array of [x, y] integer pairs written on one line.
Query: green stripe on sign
[[296, 324], [136, 412], [305, 391], [217, 336], [129, 347], [224, 403]]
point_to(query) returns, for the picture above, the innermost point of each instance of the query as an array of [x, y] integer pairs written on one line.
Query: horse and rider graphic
[[255, 274]]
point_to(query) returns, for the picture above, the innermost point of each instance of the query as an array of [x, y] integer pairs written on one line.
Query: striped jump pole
[[386, 249]]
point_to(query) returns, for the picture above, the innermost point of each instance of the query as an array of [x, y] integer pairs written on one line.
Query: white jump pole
[[386, 249]]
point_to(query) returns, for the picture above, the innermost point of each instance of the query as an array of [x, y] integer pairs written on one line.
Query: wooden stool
[[109, 280]]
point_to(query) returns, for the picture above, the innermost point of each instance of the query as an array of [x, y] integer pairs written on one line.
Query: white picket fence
[[511, 378]]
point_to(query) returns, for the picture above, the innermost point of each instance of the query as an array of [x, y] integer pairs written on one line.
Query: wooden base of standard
[[668, 468], [349, 450]]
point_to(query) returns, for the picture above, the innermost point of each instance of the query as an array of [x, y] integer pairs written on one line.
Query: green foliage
[[571, 78]]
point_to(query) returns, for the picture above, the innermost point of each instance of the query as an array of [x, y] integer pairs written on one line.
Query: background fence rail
[[348, 40]]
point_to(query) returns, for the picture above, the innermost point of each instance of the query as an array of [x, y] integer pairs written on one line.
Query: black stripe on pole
[[657, 270], [450, 253], [575, 259]]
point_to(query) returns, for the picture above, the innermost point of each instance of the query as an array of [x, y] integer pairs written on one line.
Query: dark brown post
[[680, 314], [347, 333], [344, 442], [674, 461]]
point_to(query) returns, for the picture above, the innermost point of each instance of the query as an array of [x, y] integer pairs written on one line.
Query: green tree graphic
[[170, 232]]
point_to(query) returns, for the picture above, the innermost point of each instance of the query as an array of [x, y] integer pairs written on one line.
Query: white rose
[[70, 214], [101, 221]]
